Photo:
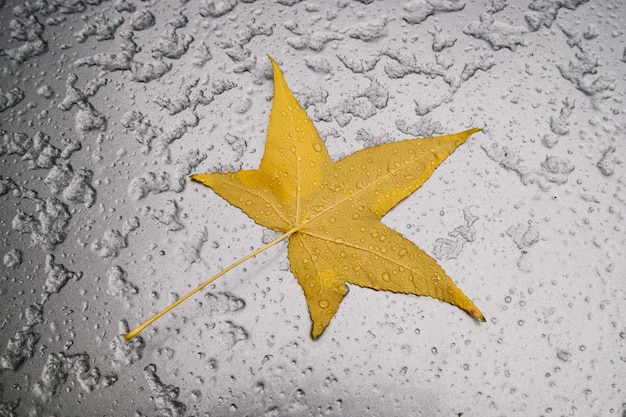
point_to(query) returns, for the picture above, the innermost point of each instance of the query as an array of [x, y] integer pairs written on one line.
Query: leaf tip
[[477, 314], [275, 65], [317, 329], [201, 178], [470, 132]]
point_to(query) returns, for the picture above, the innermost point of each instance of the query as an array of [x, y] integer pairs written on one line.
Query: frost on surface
[[497, 34], [75, 186], [359, 66], [423, 128], [608, 162], [7, 185], [582, 73], [21, 346], [308, 39], [233, 334], [142, 20], [13, 258], [109, 61], [363, 103], [142, 129], [483, 62], [416, 11], [308, 97], [126, 352], [451, 248], [187, 97], [251, 30], [237, 144], [223, 302], [544, 12], [318, 64], [118, 284], [165, 396], [560, 125], [552, 170], [168, 215], [190, 251], [57, 277], [216, 8], [524, 237], [7, 409], [10, 97], [36, 149], [172, 45], [202, 53], [102, 28], [48, 228], [403, 64], [157, 138], [370, 139], [27, 29], [149, 71], [87, 117], [113, 240], [174, 180], [441, 41], [59, 367], [369, 31]]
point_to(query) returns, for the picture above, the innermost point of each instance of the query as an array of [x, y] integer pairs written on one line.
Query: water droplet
[[386, 277], [317, 147], [563, 355], [323, 303]]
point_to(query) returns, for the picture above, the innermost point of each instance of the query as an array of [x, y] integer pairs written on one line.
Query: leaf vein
[[262, 198], [357, 247]]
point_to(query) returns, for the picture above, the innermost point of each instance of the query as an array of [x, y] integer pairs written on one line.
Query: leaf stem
[[235, 264]]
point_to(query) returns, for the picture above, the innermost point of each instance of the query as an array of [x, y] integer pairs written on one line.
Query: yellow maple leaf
[[331, 211]]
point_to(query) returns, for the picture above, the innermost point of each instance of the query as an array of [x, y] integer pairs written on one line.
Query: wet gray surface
[[106, 107]]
